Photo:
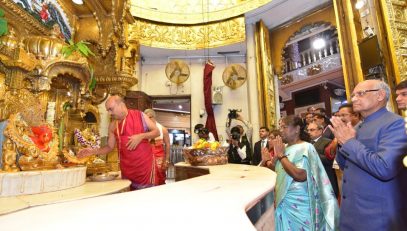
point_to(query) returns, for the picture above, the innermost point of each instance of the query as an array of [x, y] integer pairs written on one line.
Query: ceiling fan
[[234, 76], [177, 71]]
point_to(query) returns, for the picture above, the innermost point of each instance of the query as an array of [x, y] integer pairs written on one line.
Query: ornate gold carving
[[43, 47], [192, 11], [2, 86], [104, 24], [117, 69], [188, 37], [9, 41], [32, 157], [286, 79], [18, 101], [314, 69], [9, 156], [265, 79], [397, 28]]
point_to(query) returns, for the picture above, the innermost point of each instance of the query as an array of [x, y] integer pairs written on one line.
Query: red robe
[[159, 155], [136, 165]]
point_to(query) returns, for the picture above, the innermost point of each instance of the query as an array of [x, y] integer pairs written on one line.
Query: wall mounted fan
[[234, 76], [177, 71]]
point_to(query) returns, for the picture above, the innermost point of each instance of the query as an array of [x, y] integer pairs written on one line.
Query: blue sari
[[308, 205]]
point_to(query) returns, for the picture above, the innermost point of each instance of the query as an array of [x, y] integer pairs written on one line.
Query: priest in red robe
[[132, 130]]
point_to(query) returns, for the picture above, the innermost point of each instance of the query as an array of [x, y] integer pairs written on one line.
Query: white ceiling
[[274, 14], [279, 12]]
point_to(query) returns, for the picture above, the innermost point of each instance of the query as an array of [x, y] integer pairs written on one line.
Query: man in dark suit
[[324, 122], [259, 145], [321, 143]]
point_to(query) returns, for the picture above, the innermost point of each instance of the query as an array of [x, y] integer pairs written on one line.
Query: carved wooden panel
[[138, 100]]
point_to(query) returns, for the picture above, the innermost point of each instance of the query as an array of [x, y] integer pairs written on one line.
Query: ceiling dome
[[192, 11]]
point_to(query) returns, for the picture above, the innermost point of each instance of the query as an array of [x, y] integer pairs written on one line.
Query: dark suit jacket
[[320, 146], [328, 133], [257, 152]]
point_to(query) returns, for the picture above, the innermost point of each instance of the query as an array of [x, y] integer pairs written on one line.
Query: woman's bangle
[[280, 158]]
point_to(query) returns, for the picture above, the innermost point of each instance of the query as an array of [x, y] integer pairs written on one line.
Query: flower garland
[[84, 142]]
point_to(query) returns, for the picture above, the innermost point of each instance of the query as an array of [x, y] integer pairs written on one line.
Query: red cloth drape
[[207, 83]]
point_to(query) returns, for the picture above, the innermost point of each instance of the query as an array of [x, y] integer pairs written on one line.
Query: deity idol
[[41, 136]]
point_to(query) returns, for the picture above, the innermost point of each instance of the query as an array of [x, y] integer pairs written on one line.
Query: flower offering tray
[[206, 156]]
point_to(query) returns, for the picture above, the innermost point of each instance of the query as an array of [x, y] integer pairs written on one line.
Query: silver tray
[[103, 177]]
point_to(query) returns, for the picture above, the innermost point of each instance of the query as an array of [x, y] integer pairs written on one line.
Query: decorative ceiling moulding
[[188, 37], [192, 11]]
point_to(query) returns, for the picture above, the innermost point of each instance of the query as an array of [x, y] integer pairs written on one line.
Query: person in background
[[374, 180], [311, 109], [260, 145], [401, 99], [304, 198], [131, 130], [308, 118], [321, 145], [401, 93], [347, 115], [268, 153], [203, 133], [322, 120], [244, 135], [161, 149], [239, 151], [320, 111]]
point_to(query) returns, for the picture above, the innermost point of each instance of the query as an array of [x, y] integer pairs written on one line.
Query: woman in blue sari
[[304, 196]]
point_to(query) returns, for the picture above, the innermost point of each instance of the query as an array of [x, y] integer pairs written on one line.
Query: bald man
[[374, 181], [131, 129]]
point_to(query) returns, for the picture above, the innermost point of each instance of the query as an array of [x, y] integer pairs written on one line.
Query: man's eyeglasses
[[362, 93]]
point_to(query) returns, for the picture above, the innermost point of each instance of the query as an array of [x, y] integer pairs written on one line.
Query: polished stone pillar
[[253, 102]]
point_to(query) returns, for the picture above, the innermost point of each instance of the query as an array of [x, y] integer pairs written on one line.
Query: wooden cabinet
[[138, 100]]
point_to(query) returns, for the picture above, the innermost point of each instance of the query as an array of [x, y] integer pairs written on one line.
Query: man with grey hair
[[374, 180]]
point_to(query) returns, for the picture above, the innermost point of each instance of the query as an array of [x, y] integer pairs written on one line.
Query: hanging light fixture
[[78, 2], [359, 4]]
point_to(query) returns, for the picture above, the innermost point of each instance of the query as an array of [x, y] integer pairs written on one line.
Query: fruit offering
[[203, 144]]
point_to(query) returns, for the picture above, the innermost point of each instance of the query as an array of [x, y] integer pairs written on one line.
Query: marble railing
[[221, 200], [323, 65]]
